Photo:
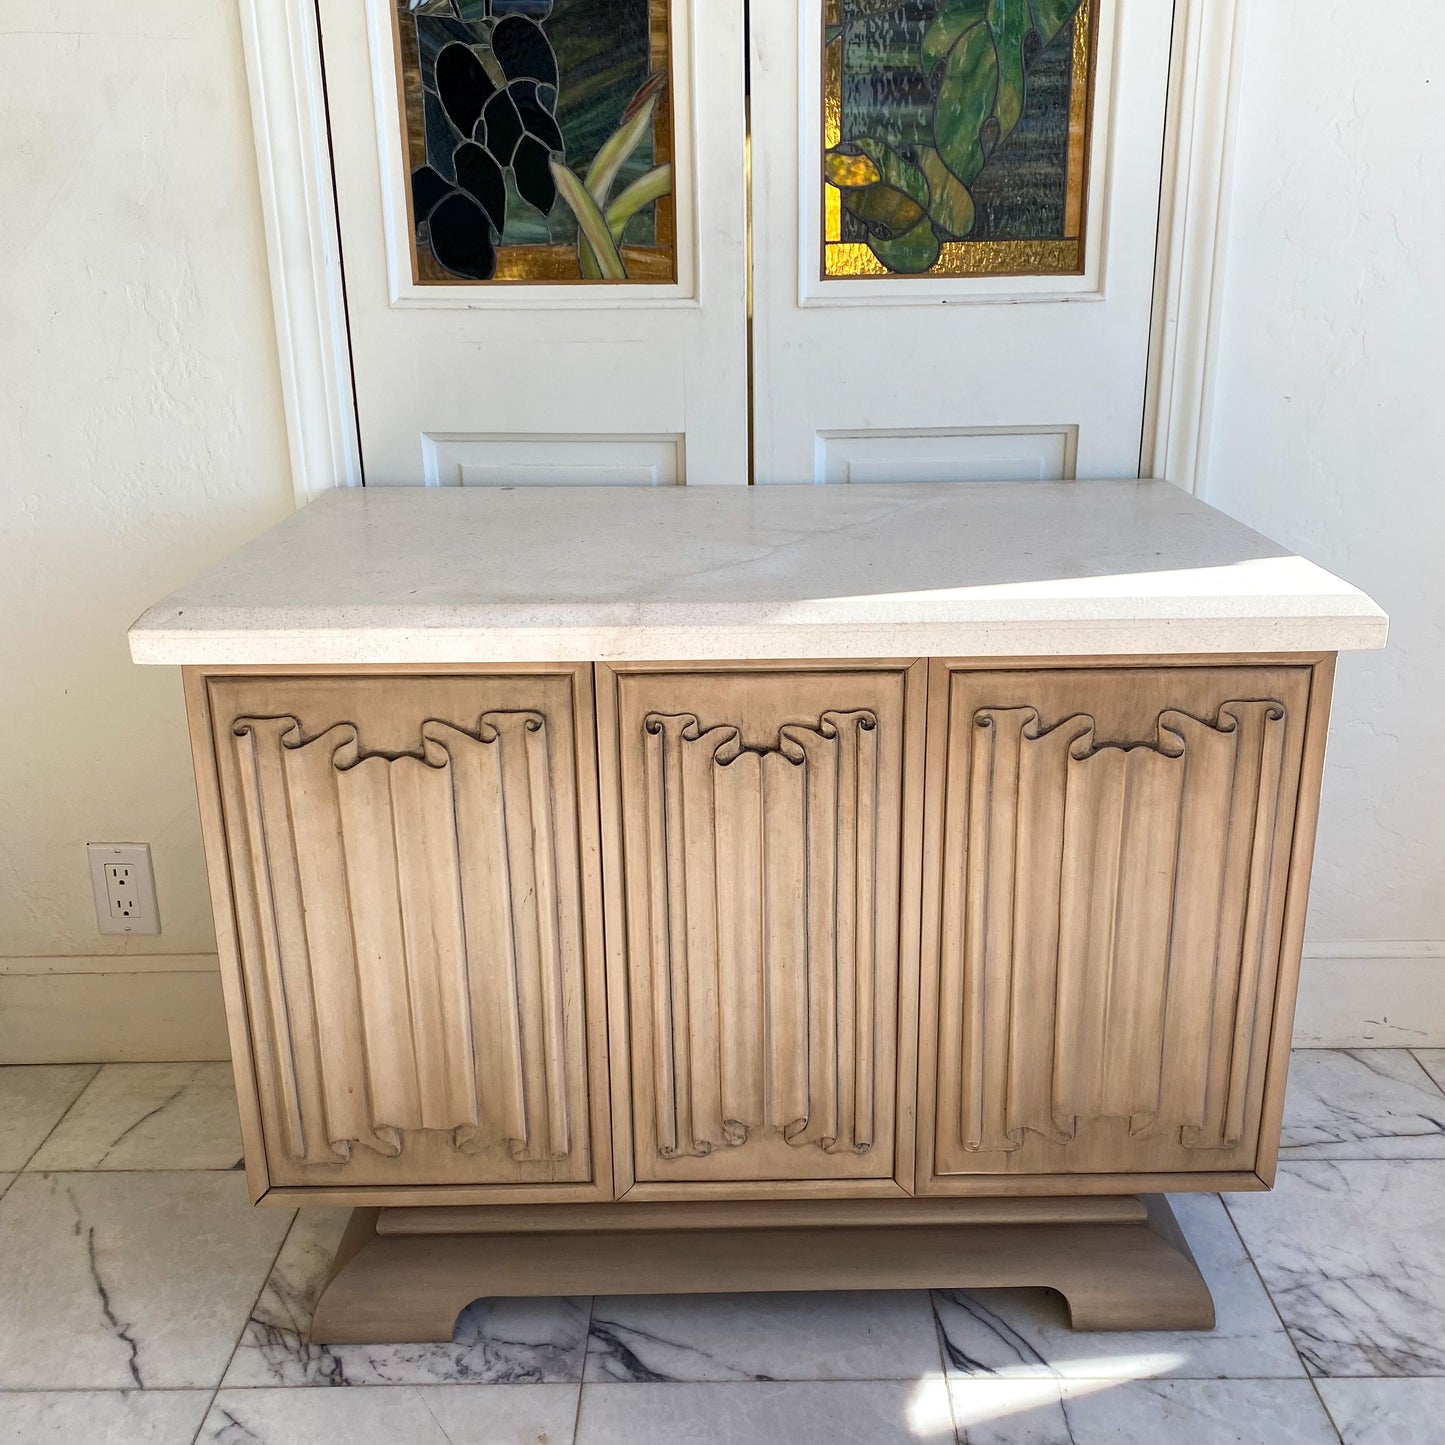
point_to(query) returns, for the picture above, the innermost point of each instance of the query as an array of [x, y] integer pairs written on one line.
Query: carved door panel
[[415, 891], [1110, 854], [764, 919]]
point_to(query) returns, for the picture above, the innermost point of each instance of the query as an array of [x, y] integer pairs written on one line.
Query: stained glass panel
[[956, 136], [538, 140]]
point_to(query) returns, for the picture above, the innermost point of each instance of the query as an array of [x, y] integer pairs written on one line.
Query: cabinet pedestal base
[[1120, 1264]]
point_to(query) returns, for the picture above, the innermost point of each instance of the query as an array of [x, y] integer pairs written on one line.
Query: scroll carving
[[761, 929], [1120, 906], [404, 916]]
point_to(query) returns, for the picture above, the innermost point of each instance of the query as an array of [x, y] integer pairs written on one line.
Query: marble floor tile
[[1387, 1412], [1433, 1062], [442, 1415], [1353, 1255], [498, 1341], [1139, 1412], [873, 1412], [102, 1417], [33, 1097], [880, 1335], [149, 1116], [1022, 1333], [115, 1280], [1360, 1104]]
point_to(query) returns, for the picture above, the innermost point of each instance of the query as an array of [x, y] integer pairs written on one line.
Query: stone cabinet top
[[570, 574]]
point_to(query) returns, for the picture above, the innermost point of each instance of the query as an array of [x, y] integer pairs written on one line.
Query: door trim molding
[[1194, 191], [303, 247], [281, 39]]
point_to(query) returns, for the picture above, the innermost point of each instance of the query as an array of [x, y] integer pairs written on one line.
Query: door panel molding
[[1193, 201], [282, 52], [303, 247]]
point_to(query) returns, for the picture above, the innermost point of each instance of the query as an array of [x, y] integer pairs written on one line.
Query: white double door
[[896, 378]]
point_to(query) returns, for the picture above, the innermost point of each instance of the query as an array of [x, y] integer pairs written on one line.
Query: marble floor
[[142, 1302]]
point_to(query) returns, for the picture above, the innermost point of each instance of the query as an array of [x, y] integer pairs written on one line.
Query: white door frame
[[288, 109]]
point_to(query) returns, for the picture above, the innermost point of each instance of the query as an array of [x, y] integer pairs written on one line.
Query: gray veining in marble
[[103, 1273], [881, 1335], [116, 1280], [873, 1412], [440, 1415], [1433, 1062], [149, 1116], [1353, 1254], [1139, 1412], [498, 1341], [101, 1417], [1387, 1412], [33, 1097], [1361, 1104], [1024, 1333]]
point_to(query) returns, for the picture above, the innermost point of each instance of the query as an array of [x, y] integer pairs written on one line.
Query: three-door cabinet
[[796, 930]]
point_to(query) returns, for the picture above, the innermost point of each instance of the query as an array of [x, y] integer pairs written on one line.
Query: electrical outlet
[[124, 885]]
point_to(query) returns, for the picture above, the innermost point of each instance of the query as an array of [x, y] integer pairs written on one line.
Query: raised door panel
[[762, 824], [415, 897], [1112, 853]]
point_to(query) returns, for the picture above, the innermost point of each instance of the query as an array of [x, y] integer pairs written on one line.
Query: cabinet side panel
[[218, 878], [1322, 682]]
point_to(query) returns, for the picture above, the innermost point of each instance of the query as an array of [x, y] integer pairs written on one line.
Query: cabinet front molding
[[761, 823], [411, 923], [1114, 862]]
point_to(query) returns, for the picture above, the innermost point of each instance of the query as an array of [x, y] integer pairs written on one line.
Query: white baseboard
[[108, 1009], [1381, 995], [168, 1007]]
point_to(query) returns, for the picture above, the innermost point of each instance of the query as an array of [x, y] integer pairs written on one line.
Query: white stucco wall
[[141, 437], [1326, 433]]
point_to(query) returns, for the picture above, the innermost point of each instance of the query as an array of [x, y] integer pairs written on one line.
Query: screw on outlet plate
[[124, 886]]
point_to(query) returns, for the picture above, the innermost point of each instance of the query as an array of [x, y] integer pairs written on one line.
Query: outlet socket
[[124, 885]]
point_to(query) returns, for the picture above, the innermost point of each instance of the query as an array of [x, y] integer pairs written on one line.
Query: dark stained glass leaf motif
[[482, 178], [523, 51], [461, 238], [499, 104], [533, 170], [442, 137], [503, 127], [428, 186], [463, 85], [536, 119]]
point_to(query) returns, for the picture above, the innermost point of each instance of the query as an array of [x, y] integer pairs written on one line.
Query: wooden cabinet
[[412, 881], [764, 826], [1118, 867], [1038, 924]]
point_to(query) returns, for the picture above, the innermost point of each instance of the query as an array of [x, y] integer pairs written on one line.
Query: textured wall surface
[[141, 437], [1328, 429]]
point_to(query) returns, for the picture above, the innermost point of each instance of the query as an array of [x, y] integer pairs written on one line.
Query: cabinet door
[[415, 899], [764, 921], [1112, 855]]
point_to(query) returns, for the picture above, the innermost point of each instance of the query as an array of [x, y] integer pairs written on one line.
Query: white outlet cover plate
[[145, 917]]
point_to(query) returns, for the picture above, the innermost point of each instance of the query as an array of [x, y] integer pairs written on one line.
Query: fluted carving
[[400, 915], [1120, 911], [762, 920]]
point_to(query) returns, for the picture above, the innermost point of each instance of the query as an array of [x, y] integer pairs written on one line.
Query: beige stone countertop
[[551, 574]]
